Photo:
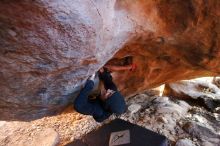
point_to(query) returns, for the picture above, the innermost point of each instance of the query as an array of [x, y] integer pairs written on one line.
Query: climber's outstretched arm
[[120, 68]]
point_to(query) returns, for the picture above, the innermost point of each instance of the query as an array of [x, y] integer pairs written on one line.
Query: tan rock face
[[48, 47], [183, 43]]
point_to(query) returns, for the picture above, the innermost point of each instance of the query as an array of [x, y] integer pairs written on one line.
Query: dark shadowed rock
[[49, 47]]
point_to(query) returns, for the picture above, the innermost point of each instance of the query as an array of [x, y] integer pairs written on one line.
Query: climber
[[108, 101]]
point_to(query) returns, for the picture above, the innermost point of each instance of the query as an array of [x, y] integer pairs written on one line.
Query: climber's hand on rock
[[133, 67]]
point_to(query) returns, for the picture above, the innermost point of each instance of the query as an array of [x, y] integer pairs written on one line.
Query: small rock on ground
[[184, 142]]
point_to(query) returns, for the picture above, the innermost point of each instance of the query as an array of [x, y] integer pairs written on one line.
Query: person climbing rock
[[108, 101]]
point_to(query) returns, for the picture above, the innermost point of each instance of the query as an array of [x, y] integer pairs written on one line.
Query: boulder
[[48, 48], [199, 91], [47, 137]]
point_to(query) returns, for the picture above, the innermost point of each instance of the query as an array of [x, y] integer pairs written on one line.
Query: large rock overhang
[[49, 47]]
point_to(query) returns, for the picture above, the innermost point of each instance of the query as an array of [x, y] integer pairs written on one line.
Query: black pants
[[107, 80]]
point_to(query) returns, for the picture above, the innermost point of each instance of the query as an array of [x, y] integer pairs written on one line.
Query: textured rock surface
[[184, 142], [204, 134], [193, 88], [24, 134], [47, 137], [201, 91], [48, 47]]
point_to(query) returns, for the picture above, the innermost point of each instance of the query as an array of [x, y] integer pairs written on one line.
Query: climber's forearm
[[118, 68]]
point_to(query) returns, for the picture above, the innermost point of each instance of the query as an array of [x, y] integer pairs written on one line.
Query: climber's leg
[[106, 77], [115, 103], [82, 99], [83, 106]]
